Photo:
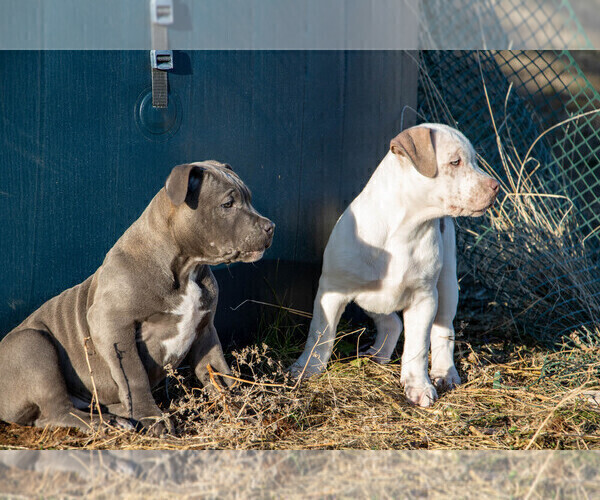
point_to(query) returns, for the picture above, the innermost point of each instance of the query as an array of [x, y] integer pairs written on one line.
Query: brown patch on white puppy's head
[[416, 144]]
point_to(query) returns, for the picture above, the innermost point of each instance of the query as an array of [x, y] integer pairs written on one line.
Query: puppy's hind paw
[[303, 371], [423, 396], [375, 355]]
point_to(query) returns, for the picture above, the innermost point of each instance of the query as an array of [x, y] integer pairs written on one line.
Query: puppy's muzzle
[[266, 228], [493, 187], [488, 192]]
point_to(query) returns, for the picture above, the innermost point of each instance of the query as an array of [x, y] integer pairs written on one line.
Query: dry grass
[[514, 396]]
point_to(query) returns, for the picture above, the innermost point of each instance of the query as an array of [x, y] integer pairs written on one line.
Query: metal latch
[[161, 12], [161, 59]]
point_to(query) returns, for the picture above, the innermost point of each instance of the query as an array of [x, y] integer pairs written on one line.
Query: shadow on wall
[[242, 286], [292, 284]]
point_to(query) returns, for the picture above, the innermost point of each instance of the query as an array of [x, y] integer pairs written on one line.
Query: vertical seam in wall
[[301, 155], [115, 180], [39, 166], [344, 65], [392, 93]]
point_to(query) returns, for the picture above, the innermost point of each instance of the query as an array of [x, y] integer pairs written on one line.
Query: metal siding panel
[[20, 126], [322, 137], [303, 129]]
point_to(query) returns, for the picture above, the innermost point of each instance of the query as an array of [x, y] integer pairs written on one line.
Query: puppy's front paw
[[122, 423], [421, 395], [157, 426], [446, 380]]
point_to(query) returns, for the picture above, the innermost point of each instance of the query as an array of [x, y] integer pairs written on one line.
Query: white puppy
[[393, 249]]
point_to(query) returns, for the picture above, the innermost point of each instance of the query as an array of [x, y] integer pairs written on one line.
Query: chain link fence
[[531, 116]]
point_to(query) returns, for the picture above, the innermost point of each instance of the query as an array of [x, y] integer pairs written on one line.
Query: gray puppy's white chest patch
[[190, 315]]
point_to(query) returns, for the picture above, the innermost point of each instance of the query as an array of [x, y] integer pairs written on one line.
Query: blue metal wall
[[303, 129]]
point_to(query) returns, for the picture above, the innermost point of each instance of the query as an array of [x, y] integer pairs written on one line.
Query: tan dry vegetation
[[514, 396]]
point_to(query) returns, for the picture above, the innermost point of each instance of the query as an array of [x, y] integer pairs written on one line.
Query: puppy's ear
[[416, 144], [183, 180]]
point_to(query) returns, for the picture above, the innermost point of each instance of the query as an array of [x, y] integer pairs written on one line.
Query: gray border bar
[[211, 24], [301, 24], [301, 474]]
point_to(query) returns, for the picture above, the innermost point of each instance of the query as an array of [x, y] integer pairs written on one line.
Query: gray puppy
[[151, 303]]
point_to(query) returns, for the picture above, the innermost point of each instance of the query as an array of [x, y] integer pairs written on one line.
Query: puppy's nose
[[494, 185], [268, 227]]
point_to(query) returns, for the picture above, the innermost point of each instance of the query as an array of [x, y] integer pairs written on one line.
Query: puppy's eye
[[456, 162], [227, 204]]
